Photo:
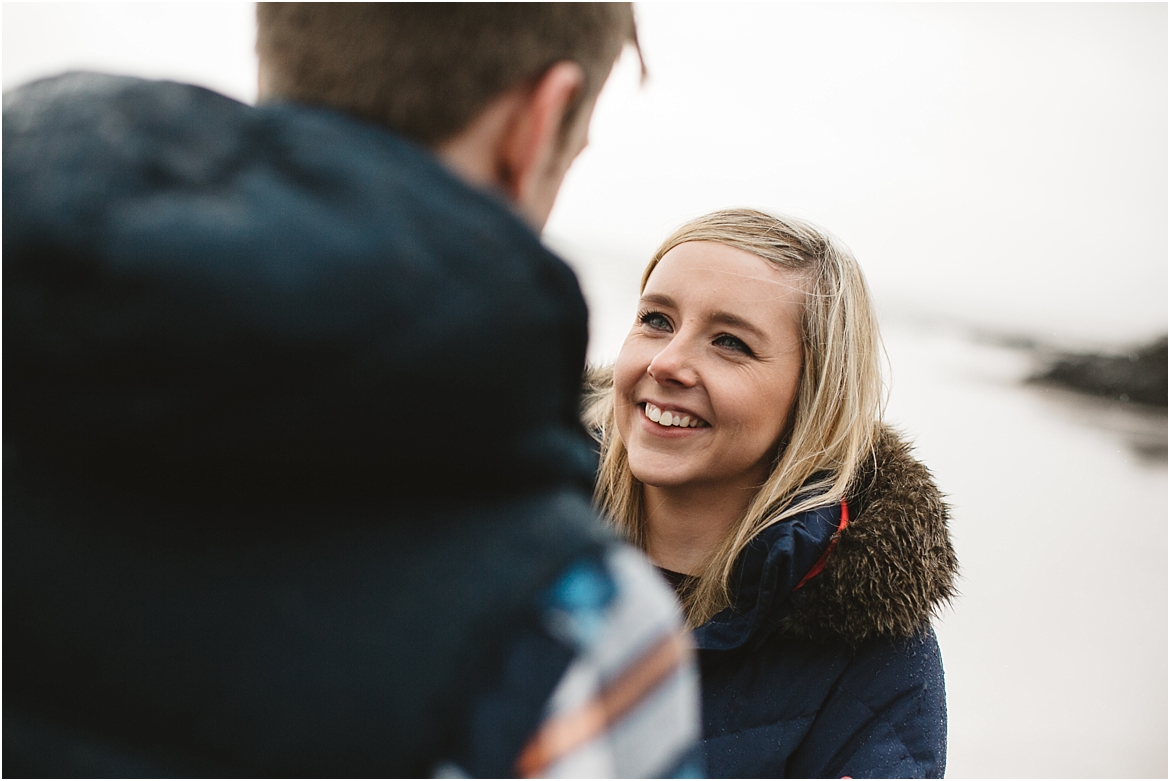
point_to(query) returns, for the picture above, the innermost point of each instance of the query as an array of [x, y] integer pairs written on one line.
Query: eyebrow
[[718, 316]]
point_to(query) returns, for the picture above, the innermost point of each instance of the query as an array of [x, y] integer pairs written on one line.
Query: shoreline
[[1137, 376]]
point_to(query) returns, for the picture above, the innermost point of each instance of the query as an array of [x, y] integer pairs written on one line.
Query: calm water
[[1055, 651]]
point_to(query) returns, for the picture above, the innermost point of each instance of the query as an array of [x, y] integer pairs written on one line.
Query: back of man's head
[[426, 70]]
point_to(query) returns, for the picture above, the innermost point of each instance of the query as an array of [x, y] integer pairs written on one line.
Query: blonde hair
[[838, 403]]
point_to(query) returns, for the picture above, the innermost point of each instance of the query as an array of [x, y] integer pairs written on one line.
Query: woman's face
[[715, 352]]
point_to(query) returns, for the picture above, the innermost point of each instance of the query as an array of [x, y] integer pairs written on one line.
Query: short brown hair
[[426, 69]]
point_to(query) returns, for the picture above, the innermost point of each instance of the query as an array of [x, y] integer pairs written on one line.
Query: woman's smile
[[665, 418]]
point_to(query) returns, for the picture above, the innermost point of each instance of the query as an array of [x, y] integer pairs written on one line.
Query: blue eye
[[732, 343], [655, 320]]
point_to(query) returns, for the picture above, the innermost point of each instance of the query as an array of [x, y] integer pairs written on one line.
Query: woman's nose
[[674, 364]]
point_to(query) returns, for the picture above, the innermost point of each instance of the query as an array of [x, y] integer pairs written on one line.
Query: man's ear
[[533, 141]]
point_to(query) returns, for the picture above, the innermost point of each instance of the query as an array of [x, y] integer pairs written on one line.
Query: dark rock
[[1137, 377]]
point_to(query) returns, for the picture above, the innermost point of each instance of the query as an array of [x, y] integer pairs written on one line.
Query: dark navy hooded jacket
[[279, 390], [840, 676]]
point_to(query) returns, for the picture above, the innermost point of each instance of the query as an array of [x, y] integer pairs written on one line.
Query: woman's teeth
[[668, 419]]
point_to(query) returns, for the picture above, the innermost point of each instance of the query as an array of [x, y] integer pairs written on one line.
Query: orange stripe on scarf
[[563, 734]]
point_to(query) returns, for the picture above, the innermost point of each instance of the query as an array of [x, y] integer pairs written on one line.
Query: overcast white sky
[[1000, 165], [1003, 164]]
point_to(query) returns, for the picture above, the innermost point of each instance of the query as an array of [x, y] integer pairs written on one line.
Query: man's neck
[[473, 154]]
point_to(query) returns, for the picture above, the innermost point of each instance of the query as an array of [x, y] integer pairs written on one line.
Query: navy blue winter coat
[[279, 391], [841, 676]]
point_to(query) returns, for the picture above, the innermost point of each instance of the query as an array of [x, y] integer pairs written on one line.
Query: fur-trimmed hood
[[893, 566], [885, 574]]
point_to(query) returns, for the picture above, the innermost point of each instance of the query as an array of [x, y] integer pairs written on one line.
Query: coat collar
[[273, 304], [892, 568], [768, 572]]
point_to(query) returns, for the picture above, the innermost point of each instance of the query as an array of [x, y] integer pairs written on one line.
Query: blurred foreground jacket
[[291, 450]]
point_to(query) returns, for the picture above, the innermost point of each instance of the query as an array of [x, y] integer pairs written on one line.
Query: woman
[[742, 450]]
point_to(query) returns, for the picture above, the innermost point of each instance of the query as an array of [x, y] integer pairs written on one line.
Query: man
[[294, 481]]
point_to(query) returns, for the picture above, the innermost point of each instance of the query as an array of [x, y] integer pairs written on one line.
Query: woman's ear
[[537, 146]]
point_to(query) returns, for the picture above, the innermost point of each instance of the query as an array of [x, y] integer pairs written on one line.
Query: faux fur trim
[[894, 567]]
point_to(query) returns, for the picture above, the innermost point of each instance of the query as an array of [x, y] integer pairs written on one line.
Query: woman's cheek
[[628, 369]]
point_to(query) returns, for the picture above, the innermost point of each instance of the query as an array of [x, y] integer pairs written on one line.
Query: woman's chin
[[662, 473]]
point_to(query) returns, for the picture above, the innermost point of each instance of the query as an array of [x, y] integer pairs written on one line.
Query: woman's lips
[[668, 418]]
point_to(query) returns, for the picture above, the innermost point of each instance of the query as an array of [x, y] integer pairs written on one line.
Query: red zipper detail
[[820, 565]]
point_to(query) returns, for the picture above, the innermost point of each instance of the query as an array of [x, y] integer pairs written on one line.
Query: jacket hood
[[885, 574], [207, 297], [893, 567]]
